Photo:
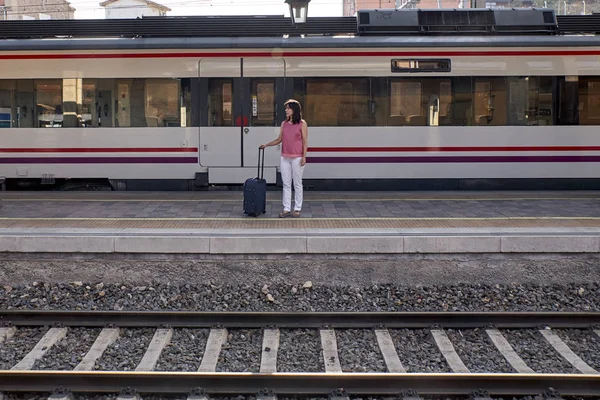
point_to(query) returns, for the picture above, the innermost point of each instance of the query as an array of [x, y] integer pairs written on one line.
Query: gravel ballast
[[585, 343], [24, 340], [536, 352], [300, 351], [242, 351], [184, 353], [358, 351], [477, 352], [417, 351], [66, 354], [126, 353], [282, 297], [331, 270]]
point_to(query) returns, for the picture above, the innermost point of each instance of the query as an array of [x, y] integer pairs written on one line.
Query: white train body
[[538, 147]]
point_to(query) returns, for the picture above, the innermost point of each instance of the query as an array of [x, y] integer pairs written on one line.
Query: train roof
[[358, 42], [369, 28]]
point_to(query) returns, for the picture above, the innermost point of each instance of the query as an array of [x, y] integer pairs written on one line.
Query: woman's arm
[[274, 142]]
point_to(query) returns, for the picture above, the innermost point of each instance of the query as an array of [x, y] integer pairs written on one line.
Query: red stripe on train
[[103, 150], [481, 53]]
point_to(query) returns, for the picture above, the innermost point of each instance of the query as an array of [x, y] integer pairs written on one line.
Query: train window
[[131, 103], [380, 101], [445, 99], [162, 103], [462, 105], [337, 102], [25, 100], [87, 112], [106, 100], [405, 103], [567, 101], [593, 100], [530, 101], [518, 103], [79, 96], [490, 99], [186, 102], [420, 102], [423, 65], [263, 102], [128, 99], [220, 102], [540, 100], [438, 95], [484, 103], [7, 109], [589, 100], [48, 94]]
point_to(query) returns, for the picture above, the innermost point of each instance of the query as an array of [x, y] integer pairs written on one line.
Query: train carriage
[[387, 107]]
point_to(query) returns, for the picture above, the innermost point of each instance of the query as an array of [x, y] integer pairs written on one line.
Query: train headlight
[[298, 10]]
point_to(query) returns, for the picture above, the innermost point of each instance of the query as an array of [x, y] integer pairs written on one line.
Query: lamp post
[[298, 10]]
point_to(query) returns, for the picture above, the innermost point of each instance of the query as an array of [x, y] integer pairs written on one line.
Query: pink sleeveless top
[[291, 145]]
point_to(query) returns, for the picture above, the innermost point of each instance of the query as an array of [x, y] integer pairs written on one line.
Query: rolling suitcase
[[255, 190]]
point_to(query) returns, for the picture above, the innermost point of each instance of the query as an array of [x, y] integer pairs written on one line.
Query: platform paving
[[316, 205], [213, 223]]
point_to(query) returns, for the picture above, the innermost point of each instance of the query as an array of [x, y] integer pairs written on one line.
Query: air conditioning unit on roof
[[475, 20]]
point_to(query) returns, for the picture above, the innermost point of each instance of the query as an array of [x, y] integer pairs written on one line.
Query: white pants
[[290, 168]]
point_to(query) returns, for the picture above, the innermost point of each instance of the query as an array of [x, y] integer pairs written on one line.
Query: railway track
[[581, 379]]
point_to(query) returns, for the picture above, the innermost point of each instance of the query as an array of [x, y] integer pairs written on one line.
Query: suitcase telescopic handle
[[261, 165]]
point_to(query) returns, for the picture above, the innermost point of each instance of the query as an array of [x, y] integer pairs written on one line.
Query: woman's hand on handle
[[262, 146]]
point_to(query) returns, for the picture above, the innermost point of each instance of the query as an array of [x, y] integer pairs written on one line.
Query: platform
[[212, 223]]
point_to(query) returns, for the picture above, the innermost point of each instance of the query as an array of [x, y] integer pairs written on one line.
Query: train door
[[263, 96], [220, 141], [244, 97]]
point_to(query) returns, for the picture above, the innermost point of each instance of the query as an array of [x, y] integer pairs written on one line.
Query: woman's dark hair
[[296, 111]]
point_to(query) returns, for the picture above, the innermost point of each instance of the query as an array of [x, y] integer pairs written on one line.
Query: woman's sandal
[[296, 214], [284, 214]]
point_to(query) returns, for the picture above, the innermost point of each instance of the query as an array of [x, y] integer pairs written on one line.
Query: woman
[[293, 137]]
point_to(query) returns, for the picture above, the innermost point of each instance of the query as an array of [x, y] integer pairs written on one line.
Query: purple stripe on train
[[98, 160], [450, 159]]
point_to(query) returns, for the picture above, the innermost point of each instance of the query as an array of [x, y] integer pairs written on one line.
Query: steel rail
[[191, 319], [300, 384]]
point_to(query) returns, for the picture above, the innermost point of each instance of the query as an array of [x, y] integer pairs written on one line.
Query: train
[[435, 107]]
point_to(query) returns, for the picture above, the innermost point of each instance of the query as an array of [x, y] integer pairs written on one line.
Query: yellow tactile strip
[[307, 223]]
